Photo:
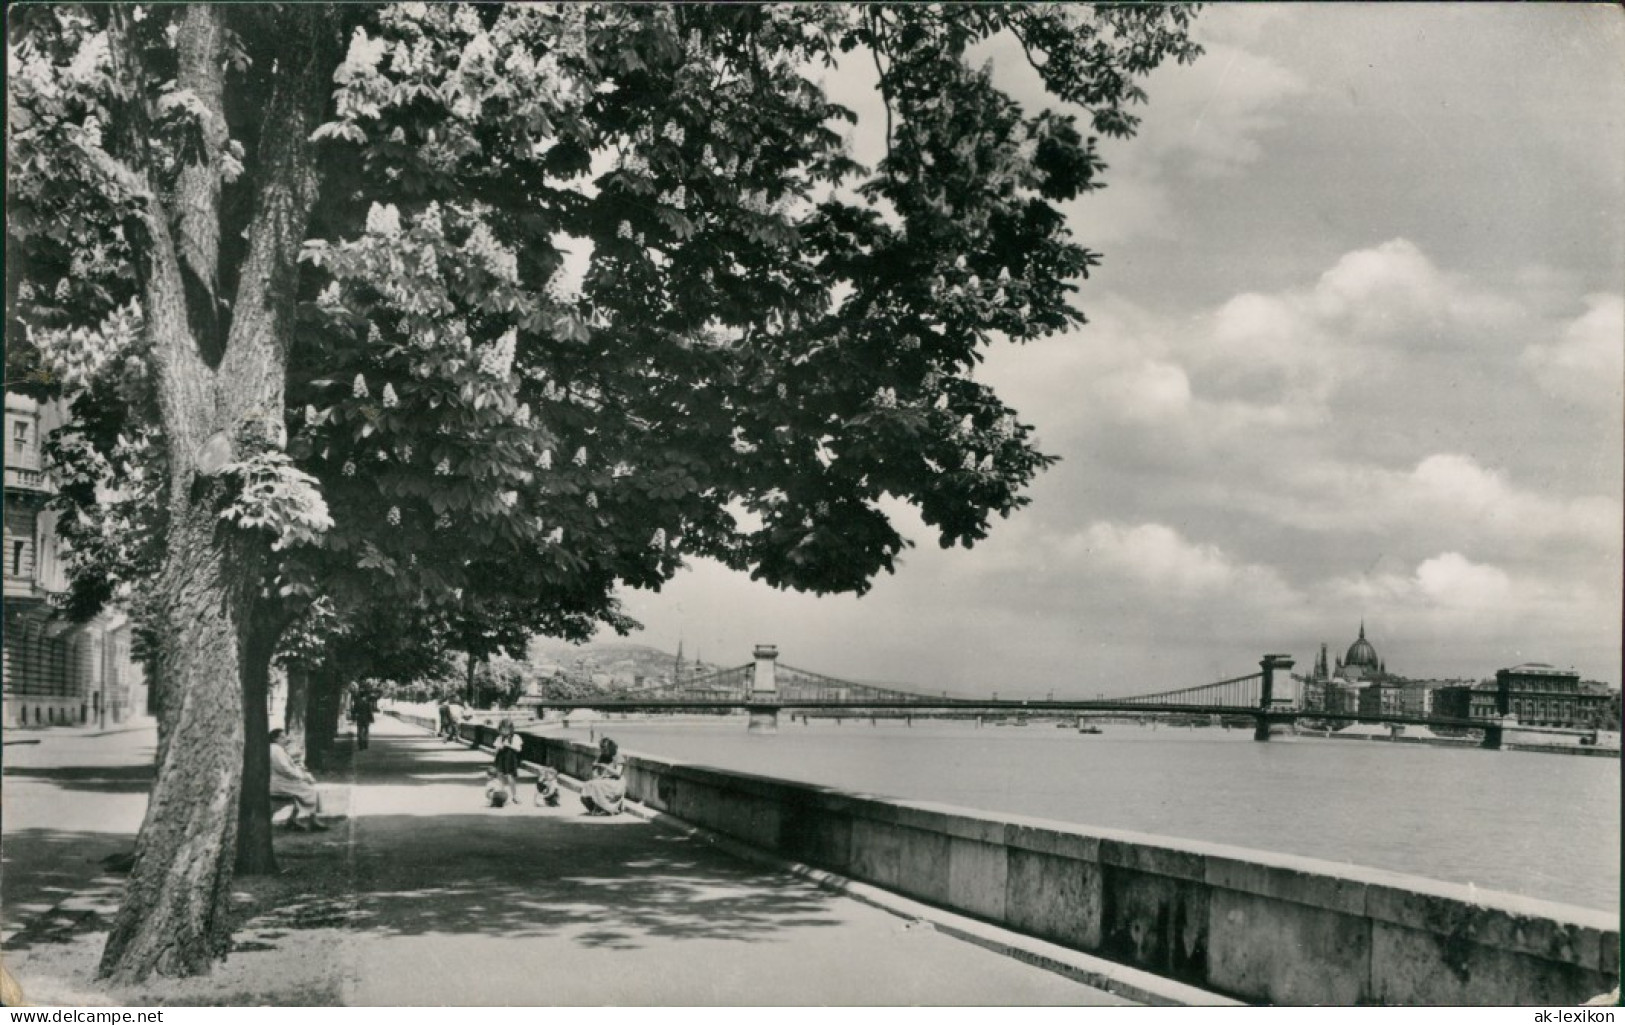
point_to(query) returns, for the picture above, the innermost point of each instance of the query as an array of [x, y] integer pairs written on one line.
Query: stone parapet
[[1260, 926]]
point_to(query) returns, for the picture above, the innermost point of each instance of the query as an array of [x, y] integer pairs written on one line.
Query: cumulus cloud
[[1448, 495], [1394, 288], [1220, 108], [1158, 557], [1586, 364]]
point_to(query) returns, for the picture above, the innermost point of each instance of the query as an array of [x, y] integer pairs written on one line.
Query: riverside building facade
[[56, 672]]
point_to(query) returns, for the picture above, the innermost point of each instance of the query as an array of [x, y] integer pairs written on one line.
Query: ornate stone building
[[57, 672]]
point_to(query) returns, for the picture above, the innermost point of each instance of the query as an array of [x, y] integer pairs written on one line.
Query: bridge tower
[[1272, 709], [764, 690]]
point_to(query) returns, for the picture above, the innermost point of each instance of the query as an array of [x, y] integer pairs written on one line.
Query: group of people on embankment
[[602, 793]]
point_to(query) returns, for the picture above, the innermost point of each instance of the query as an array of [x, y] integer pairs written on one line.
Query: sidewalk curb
[[1109, 976]]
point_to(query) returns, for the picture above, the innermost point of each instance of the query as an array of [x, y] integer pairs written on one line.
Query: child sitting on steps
[[547, 788], [496, 789]]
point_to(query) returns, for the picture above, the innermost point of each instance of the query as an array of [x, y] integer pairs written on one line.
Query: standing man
[[457, 713], [445, 716], [363, 713]]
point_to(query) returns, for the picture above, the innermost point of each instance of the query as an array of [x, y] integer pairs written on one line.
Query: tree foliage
[[581, 291]]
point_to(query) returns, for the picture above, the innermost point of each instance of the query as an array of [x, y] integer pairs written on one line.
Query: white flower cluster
[[363, 58], [886, 398], [74, 356], [673, 132], [359, 389], [443, 468], [658, 539], [383, 219], [349, 468], [390, 399], [497, 259], [394, 516], [496, 359], [592, 499]]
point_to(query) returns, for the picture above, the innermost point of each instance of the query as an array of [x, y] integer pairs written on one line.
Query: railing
[[23, 477]]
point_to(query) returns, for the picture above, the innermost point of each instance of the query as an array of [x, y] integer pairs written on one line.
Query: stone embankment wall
[[1263, 927]]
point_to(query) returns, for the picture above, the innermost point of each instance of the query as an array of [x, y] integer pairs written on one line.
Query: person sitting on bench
[[290, 781]]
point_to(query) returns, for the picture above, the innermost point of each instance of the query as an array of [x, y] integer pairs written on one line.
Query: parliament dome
[[1361, 653]]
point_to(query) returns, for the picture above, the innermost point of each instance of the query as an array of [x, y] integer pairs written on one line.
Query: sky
[[1356, 354]]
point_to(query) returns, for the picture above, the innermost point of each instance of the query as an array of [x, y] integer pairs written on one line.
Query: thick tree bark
[[255, 855], [174, 917]]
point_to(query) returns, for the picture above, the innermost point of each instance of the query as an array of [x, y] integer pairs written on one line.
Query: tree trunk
[[473, 701], [322, 718], [174, 916], [293, 719], [254, 852], [217, 376]]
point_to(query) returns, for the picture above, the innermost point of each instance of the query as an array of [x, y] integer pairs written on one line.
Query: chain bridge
[[1270, 698]]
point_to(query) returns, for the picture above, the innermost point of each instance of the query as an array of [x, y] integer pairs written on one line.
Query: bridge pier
[[764, 691], [763, 719], [1270, 712]]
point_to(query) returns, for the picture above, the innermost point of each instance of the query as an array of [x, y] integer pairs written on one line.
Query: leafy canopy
[[588, 288]]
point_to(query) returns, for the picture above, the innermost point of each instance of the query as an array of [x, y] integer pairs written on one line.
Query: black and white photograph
[[802, 505]]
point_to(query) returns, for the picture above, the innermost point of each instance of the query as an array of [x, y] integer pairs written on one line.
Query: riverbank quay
[[421, 895], [1260, 926]]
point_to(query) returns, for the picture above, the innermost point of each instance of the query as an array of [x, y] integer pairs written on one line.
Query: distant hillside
[[622, 660]]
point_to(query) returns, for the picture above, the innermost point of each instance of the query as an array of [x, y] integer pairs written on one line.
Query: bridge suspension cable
[[1238, 692]]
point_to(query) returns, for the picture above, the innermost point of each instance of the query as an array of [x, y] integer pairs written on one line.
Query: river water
[[1542, 825]]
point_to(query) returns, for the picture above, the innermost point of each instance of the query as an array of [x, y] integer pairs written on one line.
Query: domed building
[[1361, 662], [1356, 684]]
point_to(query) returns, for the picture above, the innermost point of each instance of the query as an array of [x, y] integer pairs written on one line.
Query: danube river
[[1538, 824]]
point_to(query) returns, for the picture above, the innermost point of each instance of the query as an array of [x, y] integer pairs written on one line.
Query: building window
[[19, 437], [17, 558]]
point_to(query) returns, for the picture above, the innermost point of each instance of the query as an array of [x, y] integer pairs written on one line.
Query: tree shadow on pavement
[[112, 779], [588, 881], [44, 868]]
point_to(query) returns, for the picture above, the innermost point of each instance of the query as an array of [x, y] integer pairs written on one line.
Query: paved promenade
[[421, 895]]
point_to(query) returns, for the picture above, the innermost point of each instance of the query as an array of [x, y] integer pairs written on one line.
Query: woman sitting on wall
[[605, 792]]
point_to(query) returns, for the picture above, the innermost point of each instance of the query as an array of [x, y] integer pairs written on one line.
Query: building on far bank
[[57, 672], [1536, 694], [1543, 695]]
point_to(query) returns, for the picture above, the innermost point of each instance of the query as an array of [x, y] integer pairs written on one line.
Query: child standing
[[507, 747]]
